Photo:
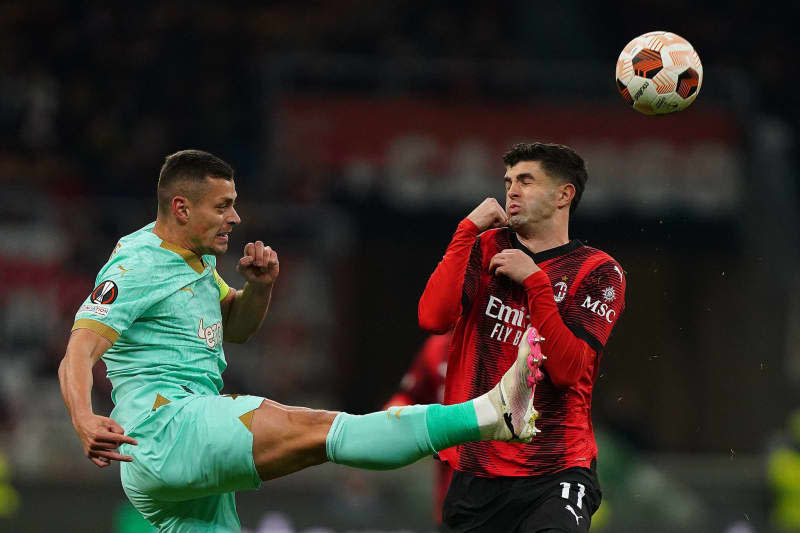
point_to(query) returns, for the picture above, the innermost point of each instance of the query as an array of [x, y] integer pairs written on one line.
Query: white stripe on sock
[[485, 411]]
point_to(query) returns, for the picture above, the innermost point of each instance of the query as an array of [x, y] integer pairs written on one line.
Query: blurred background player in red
[[505, 269], [423, 383]]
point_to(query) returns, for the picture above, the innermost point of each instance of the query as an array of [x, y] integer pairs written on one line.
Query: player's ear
[[180, 208], [565, 194]]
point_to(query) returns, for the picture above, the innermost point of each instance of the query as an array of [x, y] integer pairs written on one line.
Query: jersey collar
[[191, 258], [546, 255]]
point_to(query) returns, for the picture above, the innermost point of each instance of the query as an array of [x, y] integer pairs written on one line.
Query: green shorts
[[193, 452]]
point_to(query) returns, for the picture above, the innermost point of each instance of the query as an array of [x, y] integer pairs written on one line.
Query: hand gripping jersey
[[159, 306], [574, 302]]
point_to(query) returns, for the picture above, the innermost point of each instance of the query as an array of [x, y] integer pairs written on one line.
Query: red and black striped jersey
[[423, 382], [574, 302]]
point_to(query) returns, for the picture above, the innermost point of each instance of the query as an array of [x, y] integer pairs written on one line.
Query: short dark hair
[[188, 169], [559, 161]]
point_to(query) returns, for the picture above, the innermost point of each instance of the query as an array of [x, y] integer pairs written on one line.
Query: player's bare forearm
[[243, 311], [75, 371], [247, 311], [99, 435]]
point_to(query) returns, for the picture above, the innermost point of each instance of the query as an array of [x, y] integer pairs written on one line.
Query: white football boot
[[512, 397]]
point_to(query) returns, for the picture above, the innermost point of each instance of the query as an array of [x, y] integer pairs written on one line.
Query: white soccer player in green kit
[[159, 315]]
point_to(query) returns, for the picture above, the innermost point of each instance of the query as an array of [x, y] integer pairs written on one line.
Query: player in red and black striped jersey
[[506, 269]]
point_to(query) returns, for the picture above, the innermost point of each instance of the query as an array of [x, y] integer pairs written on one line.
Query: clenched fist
[[488, 215], [259, 264]]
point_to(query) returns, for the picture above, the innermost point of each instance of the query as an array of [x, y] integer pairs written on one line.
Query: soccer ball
[[659, 72]]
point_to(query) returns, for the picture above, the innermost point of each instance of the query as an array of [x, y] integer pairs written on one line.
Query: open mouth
[[225, 236]]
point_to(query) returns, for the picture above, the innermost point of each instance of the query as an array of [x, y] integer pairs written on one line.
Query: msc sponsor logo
[[211, 334], [600, 309]]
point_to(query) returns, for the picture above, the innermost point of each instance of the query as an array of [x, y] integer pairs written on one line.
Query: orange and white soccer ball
[[659, 72]]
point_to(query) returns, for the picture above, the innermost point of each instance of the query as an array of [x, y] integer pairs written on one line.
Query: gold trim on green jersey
[[160, 400], [189, 256], [101, 329], [247, 420], [224, 289]]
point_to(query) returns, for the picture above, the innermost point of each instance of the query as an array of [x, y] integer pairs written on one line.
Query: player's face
[[530, 195], [213, 217]]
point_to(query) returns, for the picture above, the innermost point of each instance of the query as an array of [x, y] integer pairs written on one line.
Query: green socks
[[449, 425], [401, 435]]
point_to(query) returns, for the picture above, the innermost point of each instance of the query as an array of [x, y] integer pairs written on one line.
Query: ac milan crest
[[559, 291]]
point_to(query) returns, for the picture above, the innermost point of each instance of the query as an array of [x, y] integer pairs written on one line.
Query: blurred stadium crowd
[[93, 96], [99, 92]]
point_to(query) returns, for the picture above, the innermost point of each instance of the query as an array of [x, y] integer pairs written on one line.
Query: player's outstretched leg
[[402, 435]]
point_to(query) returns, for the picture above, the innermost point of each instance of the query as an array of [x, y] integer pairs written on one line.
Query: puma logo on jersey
[[211, 334], [578, 517], [396, 412], [123, 269], [188, 289]]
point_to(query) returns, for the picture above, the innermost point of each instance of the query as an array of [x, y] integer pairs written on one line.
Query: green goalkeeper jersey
[[159, 306]]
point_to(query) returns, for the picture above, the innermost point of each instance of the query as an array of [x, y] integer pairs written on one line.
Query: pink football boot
[[513, 396]]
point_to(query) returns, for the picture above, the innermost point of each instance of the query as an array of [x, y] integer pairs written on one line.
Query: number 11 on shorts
[[565, 487]]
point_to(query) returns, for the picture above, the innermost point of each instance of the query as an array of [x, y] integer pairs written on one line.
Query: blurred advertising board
[[422, 154]]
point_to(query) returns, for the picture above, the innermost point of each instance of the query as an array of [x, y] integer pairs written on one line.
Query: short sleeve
[[223, 287], [597, 305], [121, 296]]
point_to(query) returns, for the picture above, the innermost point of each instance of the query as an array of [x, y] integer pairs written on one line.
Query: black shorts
[[560, 502]]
